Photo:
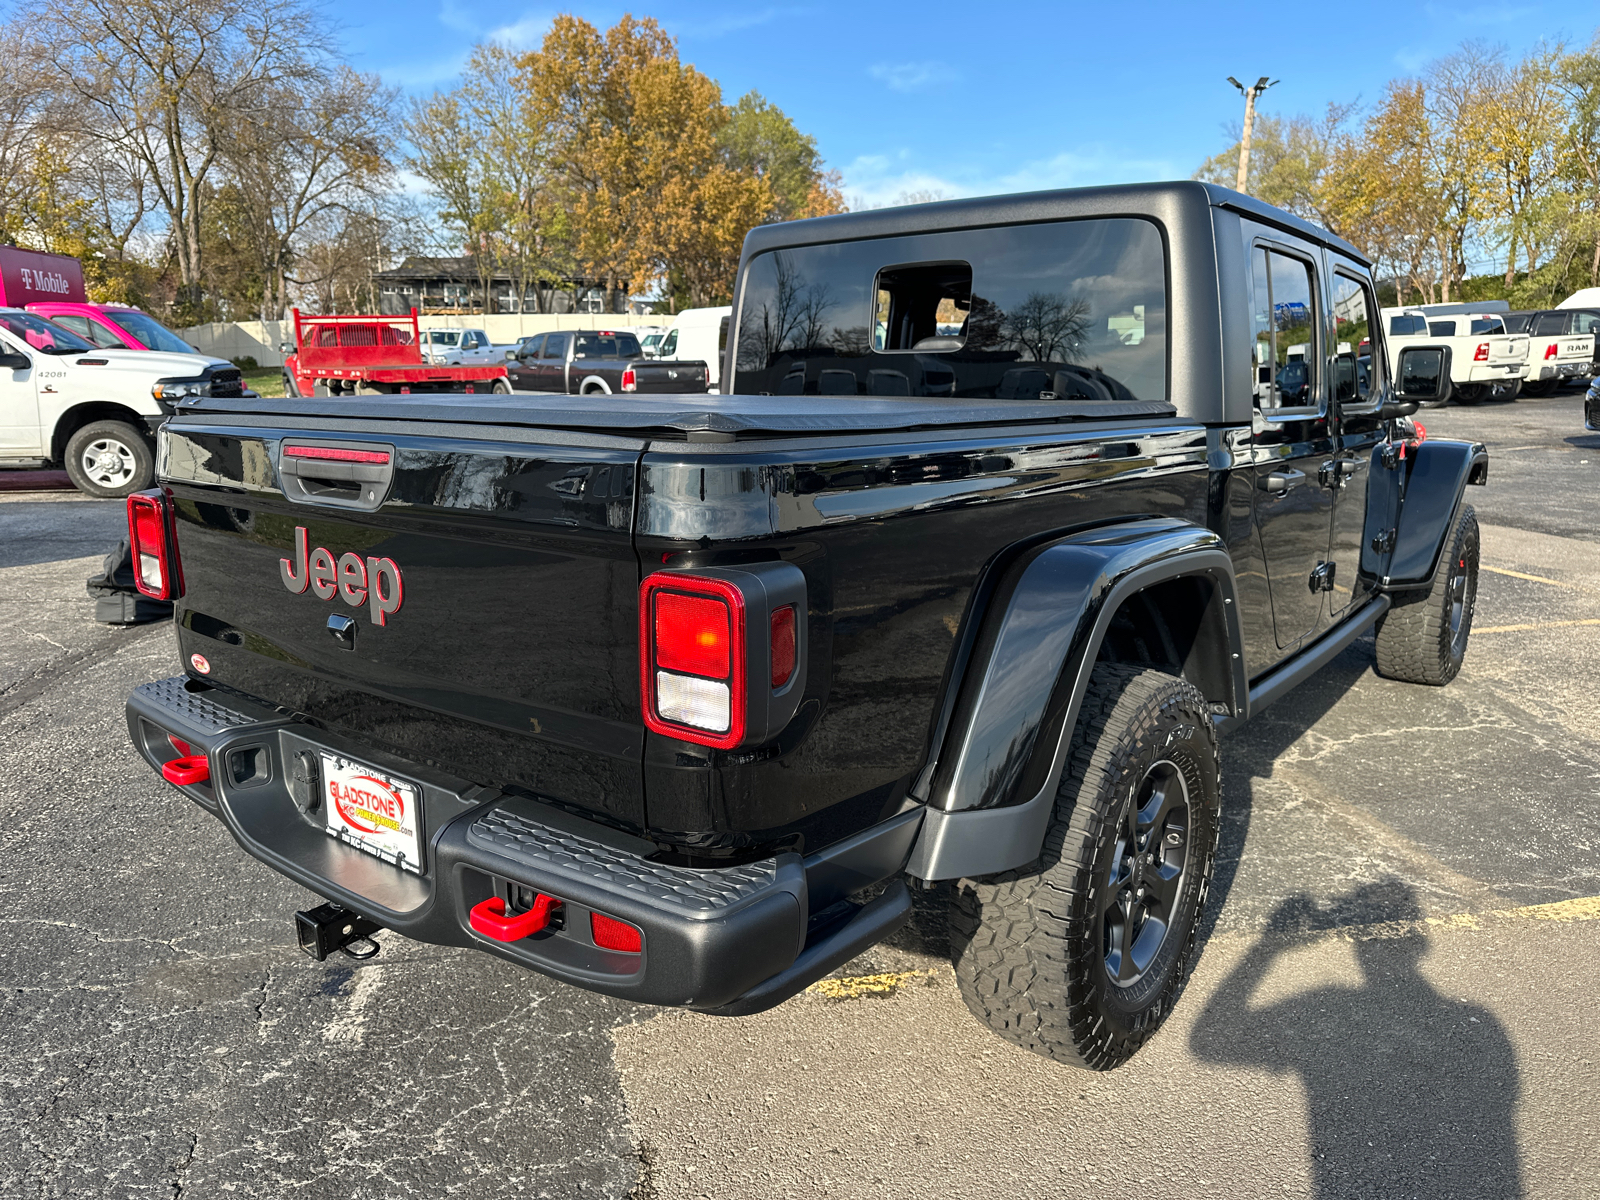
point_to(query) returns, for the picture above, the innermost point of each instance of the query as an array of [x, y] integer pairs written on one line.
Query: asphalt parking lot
[[1396, 996]]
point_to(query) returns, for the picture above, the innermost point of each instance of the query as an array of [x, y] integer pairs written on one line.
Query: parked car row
[[1496, 353]]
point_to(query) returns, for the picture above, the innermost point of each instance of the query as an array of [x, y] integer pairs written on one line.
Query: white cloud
[[522, 34], [737, 22], [872, 180], [909, 76]]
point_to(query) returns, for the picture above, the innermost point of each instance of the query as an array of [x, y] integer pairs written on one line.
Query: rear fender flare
[[1439, 475], [994, 784], [583, 384]]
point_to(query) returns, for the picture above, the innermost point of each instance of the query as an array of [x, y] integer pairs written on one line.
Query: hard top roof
[[1129, 199]]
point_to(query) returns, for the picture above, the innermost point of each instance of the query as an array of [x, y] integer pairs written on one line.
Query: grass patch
[[268, 381]]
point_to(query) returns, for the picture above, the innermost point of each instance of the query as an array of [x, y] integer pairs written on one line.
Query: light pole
[[1250, 96]]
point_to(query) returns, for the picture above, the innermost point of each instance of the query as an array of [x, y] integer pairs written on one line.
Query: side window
[[669, 344], [1352, 361], [922, 308], [1550, 324], [531, 347], [1441, 329], [722, 335], [1585, 322], [628, 346], [1285, 319], [555, 345], [78, 325]]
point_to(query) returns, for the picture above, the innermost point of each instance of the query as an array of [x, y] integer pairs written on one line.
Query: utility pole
[[1251, 94]]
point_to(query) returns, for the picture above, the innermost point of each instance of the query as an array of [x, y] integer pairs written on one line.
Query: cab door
[[20, 434], [1356, 369], [1293, 436], [524, 368]]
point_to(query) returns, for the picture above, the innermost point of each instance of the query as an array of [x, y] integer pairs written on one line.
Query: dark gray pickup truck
[[1005, 518], [583, 363]]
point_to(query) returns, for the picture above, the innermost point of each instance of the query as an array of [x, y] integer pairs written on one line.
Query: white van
[[64, 400], [699, 333]]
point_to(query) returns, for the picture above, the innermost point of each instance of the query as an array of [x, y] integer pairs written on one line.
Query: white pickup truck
[[1485, 360], [461, 347], [93, 410], [1561, 346]]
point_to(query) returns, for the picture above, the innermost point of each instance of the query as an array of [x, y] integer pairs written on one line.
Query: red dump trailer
[[374, 356]]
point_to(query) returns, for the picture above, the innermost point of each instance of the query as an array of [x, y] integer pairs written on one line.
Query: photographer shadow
[[1406, 1090]]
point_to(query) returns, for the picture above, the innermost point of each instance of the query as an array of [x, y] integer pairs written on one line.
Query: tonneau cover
[[687, 417]]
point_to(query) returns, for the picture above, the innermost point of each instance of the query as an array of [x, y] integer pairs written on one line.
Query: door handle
[[1278, 482]]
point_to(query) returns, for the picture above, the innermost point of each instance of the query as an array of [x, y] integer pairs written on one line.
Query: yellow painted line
[[1530, 578], [1525, 628], [856, 987]]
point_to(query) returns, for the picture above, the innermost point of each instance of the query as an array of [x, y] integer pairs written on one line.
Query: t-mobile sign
[[29, 277]]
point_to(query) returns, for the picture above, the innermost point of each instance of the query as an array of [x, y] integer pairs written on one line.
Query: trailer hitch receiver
[[326, 928]]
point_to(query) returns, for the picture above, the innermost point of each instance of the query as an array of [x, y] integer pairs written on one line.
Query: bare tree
[[317, 145], [165, 83]]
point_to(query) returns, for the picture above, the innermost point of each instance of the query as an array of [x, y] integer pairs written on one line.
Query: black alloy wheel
[[1140, 901]]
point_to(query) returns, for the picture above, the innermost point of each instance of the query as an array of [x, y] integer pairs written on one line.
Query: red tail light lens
[[611, 934], [783, 645], [1550, 350], [692, 658], [156, 569], [630, 381], [1483, 353]]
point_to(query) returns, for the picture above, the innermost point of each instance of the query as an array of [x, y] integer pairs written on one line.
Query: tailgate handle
[[340, 474]]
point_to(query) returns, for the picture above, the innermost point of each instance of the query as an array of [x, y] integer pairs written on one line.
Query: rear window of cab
[[1073, 310]]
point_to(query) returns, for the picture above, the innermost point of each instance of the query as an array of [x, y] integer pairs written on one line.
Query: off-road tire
[[1031, 945], [1423, 637], [89, 460]]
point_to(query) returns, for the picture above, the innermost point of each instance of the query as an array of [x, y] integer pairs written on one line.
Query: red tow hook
[[191, 768], [489, 918]]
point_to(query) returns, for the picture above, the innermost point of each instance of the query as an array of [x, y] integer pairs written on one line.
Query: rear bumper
[[731, 940], [1566, 370], [1497, 372]]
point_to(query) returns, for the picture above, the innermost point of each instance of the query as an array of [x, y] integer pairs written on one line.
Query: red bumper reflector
[[191, 768], [611, 934], [783, 645], [489, 918], [338, 454]]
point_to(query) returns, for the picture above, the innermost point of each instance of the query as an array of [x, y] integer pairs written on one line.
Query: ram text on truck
[[675, 698]]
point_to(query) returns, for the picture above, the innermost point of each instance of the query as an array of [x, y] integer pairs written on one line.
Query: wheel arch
[[1440, 474], [1154, 591], [75, 418], [597, 382]]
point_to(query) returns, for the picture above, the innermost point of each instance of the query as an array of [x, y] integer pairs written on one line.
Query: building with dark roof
[[452, 286]]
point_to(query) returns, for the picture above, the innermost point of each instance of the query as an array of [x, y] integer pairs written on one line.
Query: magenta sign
[[29, 277]]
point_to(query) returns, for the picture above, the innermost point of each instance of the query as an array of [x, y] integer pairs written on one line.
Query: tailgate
[[685, 376], [491, 580], [1507, 348]]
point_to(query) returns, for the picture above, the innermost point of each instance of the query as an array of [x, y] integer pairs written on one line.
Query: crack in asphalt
[[30, 687]]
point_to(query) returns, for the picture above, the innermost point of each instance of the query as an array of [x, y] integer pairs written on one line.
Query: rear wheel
[[1423, 637], [1081, 955], [1541, 388], [109, 459], [1471, 393], [502, 387], [291, 389]]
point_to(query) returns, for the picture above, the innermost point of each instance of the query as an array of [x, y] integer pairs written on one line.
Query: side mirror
[[1422, 374], [14, 362], [285, 348]]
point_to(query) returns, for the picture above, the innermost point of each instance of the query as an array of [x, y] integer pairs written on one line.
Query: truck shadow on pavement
[[1405, 1088]]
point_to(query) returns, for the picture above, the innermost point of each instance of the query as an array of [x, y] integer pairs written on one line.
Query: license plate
[[373, 811]]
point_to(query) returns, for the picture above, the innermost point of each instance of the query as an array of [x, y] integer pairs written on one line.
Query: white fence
[[260, 339]]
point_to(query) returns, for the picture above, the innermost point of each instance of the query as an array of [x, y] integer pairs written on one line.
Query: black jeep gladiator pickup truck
[[1005, 519], [580, 363]]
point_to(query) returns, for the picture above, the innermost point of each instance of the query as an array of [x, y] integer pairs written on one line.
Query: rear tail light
[[153, 538], [612, 934], [693, 644], [1550, 351], [721, 652], [630, 381], [1483, 353]]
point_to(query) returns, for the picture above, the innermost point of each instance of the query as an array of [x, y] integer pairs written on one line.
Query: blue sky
[[1001, 97]]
